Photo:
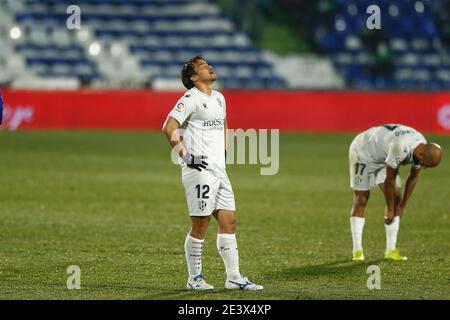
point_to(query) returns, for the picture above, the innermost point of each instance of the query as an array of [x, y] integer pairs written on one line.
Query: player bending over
[[375, 156], [201, 112]]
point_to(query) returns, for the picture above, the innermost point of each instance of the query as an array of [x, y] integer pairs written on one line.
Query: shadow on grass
[[341, 267], [155, 293], [185, 294]]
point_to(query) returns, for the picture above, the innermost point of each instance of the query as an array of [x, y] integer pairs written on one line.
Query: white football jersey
[[203, 119], [390, 144]]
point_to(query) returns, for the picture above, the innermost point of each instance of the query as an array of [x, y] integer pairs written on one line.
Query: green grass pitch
[[113, 204]]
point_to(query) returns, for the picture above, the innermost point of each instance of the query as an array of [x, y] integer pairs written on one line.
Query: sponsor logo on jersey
[[205, 106], [188, 96], [180, 107], [219, 122], [219, 102], [402, 132]]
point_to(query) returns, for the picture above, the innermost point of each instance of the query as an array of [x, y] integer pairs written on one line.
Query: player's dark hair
[[188, 71]]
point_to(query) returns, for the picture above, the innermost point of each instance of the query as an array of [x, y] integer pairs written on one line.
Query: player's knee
[[231, 225], [198, 232], [361, 200], [199, 227], [228, 225]]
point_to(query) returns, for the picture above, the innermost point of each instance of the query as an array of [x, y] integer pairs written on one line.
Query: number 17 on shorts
[[359, 176]]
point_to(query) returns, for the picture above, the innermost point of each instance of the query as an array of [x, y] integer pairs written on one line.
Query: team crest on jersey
[[180, 106], [219, 102], [205, 106], [202, 205]]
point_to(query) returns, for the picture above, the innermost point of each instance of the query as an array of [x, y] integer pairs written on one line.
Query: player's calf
[[360, 200], [357, 222]]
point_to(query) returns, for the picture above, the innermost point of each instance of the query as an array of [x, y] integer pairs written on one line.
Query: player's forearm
[[174, 139], [409, 188], [225, 134], [389, 189], [177, 146], [389, 194]]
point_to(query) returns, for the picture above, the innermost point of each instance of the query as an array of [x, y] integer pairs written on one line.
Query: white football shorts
[[364, 174], [206, 192]]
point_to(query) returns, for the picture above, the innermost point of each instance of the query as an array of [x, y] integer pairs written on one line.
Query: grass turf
[[113, 204]]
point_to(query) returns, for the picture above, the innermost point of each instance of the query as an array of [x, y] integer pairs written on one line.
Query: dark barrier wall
[[285, 110]]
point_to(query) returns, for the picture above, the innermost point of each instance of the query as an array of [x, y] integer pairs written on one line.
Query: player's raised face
[[204, 72]]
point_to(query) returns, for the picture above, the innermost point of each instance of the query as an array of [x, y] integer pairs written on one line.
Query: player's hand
[[195, 162], [389, 217]]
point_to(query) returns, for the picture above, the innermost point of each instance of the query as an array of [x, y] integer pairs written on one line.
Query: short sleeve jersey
[[391, 144], [202, 118]]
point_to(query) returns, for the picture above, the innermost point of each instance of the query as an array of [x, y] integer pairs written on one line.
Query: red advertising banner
[[286, 110]]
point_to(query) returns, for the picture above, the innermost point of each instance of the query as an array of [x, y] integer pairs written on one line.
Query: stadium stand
[[128, 43], [407, 53], [143, 43]]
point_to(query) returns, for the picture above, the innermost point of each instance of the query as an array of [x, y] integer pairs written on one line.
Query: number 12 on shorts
[[204, 194]]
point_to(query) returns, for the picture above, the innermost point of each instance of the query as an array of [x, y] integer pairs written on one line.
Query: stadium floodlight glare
[[94, 49], [420, 8], [15, 33], [340, 25]]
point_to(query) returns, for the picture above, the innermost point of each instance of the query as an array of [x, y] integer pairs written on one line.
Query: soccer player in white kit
[[201, 113], [375, 157]]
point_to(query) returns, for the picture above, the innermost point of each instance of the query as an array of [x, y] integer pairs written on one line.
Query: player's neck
[[205, 88]]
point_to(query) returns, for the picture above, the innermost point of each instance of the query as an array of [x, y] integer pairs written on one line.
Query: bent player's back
[[376, 141]]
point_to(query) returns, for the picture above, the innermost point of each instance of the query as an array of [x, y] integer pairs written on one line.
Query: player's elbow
[[414, 174], [391, 174], [170, 126], [167, 129], [389, 181], [164, 129]]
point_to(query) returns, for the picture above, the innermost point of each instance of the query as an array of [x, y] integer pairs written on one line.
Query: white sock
[[193, 248], [391, 234], [227, 247], [357, 226]]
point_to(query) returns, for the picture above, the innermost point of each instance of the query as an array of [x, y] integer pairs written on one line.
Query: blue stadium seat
[[162, 35], [407, 27]]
